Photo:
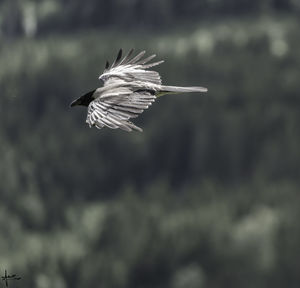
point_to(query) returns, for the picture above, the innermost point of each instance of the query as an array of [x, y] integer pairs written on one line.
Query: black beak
[[76, 102]]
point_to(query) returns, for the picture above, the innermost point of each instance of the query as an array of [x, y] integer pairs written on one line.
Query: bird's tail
[[176, 89]]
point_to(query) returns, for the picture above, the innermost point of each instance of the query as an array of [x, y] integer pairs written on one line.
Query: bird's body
[[129, 88]]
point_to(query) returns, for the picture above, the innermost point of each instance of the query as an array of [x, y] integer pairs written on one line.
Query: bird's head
[[84, 100]]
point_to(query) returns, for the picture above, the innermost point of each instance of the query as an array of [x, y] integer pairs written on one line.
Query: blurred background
[[207, 196]]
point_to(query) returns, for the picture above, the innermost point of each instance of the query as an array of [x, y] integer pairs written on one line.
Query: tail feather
[[176, 89]]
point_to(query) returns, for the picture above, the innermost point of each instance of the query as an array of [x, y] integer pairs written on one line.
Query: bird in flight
[[128, 89]]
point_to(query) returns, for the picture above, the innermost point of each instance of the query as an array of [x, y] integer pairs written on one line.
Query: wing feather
[[137, 57], [117, 59], [126, 58], [153, 64], [131, 70], [144, 61], [115, 112]]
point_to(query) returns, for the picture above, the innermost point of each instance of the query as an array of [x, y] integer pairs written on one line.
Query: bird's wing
[[115, 111], [129, 89], [131, 70]]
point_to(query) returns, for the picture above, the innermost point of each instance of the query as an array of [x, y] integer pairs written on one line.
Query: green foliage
[[207, 196], [32, 17]]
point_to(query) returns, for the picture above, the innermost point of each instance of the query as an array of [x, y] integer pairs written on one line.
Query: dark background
[[206, 196]]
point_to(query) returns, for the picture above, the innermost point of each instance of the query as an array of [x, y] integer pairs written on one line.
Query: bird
[[129, 87]]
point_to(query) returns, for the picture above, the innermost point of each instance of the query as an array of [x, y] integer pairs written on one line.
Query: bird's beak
[[76, 102]]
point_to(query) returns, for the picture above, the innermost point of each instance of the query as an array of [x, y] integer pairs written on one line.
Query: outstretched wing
[[131, 70], [115, 111], [129, 89]]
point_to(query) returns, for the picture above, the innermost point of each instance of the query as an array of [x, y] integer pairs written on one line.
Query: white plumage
[[129, 88]]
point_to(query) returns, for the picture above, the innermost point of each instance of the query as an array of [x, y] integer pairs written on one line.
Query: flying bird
[[128, 89]]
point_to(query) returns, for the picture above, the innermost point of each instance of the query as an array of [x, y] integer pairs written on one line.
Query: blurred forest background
[[207, 196]]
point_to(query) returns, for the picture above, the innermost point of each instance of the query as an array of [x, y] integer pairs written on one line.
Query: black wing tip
[[130, 51], [107, 65], [117, 60], [127, 57], [119, 55]]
